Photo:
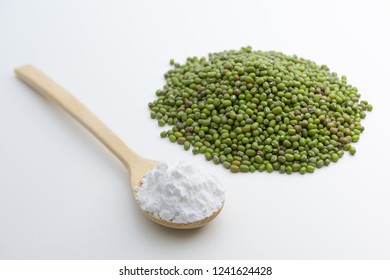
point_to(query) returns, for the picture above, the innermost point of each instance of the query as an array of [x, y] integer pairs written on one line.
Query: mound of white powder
[[179, 193]]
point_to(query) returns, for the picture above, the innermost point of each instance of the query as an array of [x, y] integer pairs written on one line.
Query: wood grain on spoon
[[136, 165]]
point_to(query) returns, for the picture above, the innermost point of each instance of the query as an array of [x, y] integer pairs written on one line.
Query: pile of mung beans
[[254, 110]]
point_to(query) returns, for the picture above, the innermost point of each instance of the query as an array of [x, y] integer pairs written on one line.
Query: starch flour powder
[[179, 193]]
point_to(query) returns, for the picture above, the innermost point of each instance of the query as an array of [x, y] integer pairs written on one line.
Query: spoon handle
[[53, 91]]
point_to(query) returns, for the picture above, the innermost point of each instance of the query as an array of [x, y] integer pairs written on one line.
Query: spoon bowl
[[136, 165]]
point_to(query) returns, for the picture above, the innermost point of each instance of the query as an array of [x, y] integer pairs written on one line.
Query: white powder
[[179, 193]]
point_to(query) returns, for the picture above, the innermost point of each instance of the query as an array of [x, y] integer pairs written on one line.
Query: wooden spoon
[[136, 165]]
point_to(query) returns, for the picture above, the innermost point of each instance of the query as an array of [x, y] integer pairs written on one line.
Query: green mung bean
[[259, 110]]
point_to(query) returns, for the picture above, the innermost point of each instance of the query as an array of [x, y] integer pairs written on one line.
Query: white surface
[[64, 196]]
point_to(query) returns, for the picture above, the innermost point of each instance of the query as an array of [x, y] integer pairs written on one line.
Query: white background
[[64, 196]]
